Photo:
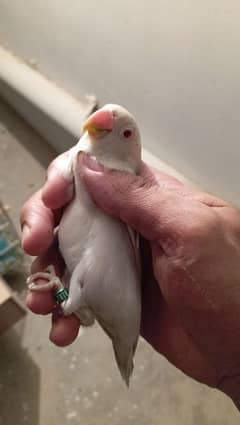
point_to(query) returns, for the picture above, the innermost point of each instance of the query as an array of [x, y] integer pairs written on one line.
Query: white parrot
[[101, 253]]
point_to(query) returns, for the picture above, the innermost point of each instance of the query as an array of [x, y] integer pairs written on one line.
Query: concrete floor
[[41, 384]]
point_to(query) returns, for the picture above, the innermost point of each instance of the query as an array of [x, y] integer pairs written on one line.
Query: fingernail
[[90, 162], [25, 230]]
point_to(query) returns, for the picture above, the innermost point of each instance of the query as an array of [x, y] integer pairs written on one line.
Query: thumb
[[137, 200]]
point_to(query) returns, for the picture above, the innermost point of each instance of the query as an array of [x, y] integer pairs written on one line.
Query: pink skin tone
[[190, 258], [102, 119]]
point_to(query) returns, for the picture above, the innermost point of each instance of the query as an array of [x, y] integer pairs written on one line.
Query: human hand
[[191, 277]]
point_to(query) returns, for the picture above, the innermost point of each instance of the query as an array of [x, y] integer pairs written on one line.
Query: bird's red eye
[[127, 133]]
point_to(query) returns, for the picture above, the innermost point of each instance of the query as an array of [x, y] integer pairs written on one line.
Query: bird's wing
[[135, 241], [67, 167]]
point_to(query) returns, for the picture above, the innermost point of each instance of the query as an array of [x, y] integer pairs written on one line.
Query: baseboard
[[54, 113]]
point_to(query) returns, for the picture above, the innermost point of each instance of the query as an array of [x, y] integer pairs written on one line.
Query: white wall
[[174, 64]]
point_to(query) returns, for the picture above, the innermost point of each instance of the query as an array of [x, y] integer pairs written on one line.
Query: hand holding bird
[[190, 255]]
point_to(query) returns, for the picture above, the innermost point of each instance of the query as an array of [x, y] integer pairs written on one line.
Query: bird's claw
[[49, 275]]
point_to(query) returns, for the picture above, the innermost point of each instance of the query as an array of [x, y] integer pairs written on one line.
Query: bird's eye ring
[[127, 133]]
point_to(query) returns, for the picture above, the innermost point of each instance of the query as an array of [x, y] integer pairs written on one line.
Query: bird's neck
[[111, 159]]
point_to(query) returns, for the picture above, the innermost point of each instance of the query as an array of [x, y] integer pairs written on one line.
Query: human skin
[[190, 250]]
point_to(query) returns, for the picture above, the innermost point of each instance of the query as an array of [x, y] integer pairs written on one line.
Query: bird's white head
[[114, 137]]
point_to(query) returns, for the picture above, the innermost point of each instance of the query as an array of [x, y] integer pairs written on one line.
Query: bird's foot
[[49, 275], [84, 314]]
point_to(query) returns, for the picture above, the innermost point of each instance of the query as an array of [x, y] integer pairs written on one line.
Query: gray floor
[[41, 384]]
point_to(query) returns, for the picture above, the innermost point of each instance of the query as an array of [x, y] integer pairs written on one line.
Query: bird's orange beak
[[99, 123]]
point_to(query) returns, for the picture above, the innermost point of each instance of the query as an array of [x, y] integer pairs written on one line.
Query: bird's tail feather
[[124, 359], [123, 353]]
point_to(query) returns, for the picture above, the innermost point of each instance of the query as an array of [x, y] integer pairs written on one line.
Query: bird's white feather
[[102, 260]]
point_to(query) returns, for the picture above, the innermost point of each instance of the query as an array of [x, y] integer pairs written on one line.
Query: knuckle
[[25, 211], [199, 227], [128, 184], [34, 207], [141, 185]]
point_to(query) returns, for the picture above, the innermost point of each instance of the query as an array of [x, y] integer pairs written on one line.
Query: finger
[[58, 189], [37, 225], [43, 302], [51, 257], [40, 302], [64, 329]]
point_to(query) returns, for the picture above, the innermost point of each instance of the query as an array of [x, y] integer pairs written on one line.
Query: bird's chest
[[75, 230]]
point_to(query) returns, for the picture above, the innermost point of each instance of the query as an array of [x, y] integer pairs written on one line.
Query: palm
[[163, 330]]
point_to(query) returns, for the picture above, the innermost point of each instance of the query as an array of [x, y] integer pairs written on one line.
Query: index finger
[[38, 224], [58, 189], [41, 213]]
